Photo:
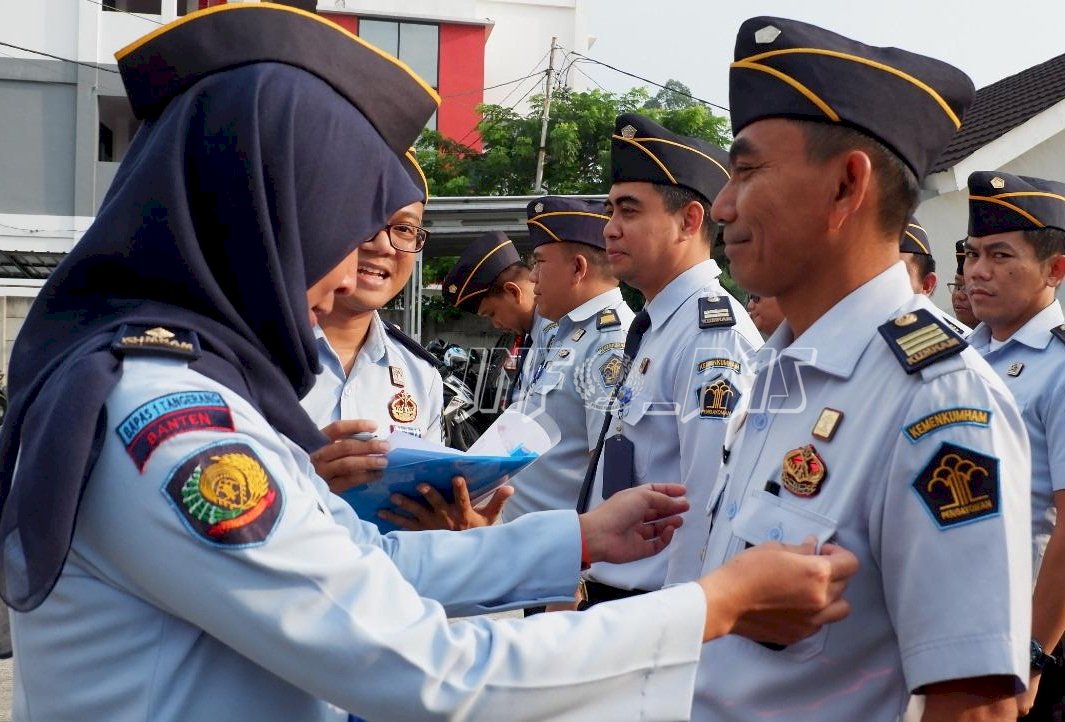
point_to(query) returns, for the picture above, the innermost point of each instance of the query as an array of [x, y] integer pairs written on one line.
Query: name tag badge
[[618, 472]]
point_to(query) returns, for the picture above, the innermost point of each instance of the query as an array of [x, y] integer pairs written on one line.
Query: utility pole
[[541, 154]]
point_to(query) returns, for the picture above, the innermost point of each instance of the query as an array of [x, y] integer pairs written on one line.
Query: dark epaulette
[[715, 312], [919, 338], [1059, 332], [607, 318], [151, 339], [410, 344]]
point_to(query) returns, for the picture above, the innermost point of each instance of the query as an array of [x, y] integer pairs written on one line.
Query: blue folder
[[407, 468]]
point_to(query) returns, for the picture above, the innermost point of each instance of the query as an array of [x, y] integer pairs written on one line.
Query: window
[[141, 7], [117, 127], [416, 44]]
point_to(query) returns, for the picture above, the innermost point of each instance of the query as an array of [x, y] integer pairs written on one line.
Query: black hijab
[[249, 188]]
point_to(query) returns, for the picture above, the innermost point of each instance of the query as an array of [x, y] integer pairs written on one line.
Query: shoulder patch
[[607, 318], [225, 496], [1059, 332], [715, 312], [919, 339], [164, 417], [718, 363], [410, 344], [962, 416], [958, 486], [142, 339], [717, 398]]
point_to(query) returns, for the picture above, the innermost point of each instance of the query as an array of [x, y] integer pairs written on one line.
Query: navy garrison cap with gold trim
[[483, 260], [642, 150], [789, 69], [1000, 203], [172, 59], [552, 219], [414, 170], [959, 255], [914, 239]]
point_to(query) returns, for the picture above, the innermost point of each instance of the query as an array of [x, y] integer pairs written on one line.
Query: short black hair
[[925, 263], [898, 184], [513, 272], [676, 197], [1046, 241]]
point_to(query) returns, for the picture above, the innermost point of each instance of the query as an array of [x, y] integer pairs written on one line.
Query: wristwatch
[[1041, 659]]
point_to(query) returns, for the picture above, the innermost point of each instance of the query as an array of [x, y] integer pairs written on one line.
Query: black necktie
[[640, 323]]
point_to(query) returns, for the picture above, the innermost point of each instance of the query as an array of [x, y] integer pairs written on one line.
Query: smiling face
[[774, 209], [1006, 282], [382, 270], [641, 236]]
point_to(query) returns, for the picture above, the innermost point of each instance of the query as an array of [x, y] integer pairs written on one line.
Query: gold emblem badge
[[1015, 369], [611, 370], [803, 471], [997, 183], [396, 376], [452, 288], [628, 132], [403, 407], [233, 482], [766, 35], [718, 398], [827, 423], [538, 208], [906, 319], [160, 333]]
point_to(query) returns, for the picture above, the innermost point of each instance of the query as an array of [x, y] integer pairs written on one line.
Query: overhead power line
[[94, 66], [585, 58]]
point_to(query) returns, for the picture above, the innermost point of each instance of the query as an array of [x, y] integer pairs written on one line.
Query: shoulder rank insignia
[[1059, 332], [403, 408], [152, 423], [225, 495], [919, 338], [142, 339], [958, 486], [715, 312], [803, 471], [718, 398], [607, 318]]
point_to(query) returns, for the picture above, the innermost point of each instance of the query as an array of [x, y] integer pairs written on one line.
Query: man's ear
[[928, 284], [854, 171], [579, 266], [1056, 271], [692, 216], [514, 290]]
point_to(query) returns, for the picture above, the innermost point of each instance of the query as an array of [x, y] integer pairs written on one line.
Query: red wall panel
[[461, 70], [348, 22]]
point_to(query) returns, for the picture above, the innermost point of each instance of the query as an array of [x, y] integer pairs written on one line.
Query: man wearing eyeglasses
[[376, 379], [959, 295]]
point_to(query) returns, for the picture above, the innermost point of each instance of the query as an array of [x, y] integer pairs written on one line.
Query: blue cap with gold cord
[[552, 219], [414, 170], [959, 254], [790, 69], [914, 239], [1001, 202], [165, 63], [477, 269], [644, 151]]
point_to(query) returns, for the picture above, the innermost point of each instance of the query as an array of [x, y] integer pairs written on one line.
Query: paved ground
[[6, 668]]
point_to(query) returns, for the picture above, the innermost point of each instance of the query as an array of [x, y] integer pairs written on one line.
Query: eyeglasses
[[957, 288], [752, 298], [406, 237]]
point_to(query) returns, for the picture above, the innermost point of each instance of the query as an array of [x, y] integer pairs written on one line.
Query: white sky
[[693, 40]]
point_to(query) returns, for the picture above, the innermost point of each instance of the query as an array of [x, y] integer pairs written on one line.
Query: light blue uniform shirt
[[1032, 363], [319, 614], [675, 442], [943, 590], [370, 391], [571, 385]]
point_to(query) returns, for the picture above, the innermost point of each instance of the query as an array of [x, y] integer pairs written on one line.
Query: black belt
[[596, 592]]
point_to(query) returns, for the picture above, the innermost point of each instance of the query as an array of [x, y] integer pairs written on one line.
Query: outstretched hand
[[778, 593], [436, 513], [634, 523]]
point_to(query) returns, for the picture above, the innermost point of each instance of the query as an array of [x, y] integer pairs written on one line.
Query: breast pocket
[[766, 517]]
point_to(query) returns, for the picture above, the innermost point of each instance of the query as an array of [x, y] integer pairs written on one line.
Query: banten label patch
[[958, 486], [150, 424], [225, 495], [963, 416]]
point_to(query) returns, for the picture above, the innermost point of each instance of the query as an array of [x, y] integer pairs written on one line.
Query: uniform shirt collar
[[1034, 334], [835, 342], [609, 299], [374, 349], [679, 290]]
